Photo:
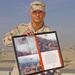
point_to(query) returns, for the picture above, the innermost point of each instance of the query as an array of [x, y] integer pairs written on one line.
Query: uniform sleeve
[[15, 70], [7, 39], [46, 29]]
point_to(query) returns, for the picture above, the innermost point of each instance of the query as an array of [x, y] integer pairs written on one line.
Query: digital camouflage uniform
[[19, 30]]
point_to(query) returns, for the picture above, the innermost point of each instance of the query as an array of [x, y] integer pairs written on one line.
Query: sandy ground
[[68, 58], [69, 62]]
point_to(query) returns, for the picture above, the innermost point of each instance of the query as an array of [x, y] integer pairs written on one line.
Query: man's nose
[[37, 13]]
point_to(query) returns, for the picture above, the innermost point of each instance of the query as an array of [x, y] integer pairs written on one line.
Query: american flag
[[22, 40]]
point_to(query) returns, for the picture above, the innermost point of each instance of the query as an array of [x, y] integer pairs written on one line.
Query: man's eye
[[34, 12], [41, 11]]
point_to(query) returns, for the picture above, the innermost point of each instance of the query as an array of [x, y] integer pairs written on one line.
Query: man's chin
[[37, 21]]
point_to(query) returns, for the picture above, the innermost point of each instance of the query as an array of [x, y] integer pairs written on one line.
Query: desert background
[[7, 60], [60, 16]]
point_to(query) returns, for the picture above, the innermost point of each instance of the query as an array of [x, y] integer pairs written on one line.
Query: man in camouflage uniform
[[37, 25]]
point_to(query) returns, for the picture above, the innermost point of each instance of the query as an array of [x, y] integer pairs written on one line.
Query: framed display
[[37, 53]]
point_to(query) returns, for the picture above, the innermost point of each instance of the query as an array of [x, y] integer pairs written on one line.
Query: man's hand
[[29, 32]]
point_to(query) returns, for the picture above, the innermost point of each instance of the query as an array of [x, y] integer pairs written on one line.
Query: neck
[[37, 26]]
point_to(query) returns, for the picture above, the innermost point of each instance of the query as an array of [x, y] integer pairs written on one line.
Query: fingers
[[28, 32]]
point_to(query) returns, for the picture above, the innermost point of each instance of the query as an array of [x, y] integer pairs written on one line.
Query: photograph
[[48, 42], [29, 64], [25, 45]]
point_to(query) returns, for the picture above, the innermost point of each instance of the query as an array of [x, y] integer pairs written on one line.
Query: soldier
[[37, 25]]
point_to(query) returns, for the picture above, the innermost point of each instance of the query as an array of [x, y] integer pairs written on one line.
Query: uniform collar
[[31, 28]]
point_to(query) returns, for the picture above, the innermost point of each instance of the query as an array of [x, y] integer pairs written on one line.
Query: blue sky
[[60, 16]]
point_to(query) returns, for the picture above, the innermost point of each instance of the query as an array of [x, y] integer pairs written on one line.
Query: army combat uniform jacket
[[19, 30]]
